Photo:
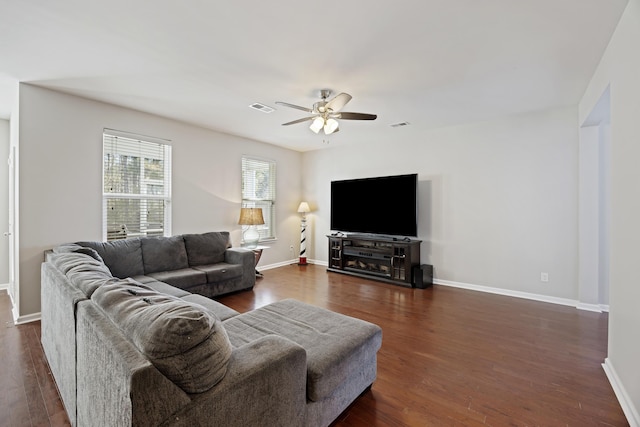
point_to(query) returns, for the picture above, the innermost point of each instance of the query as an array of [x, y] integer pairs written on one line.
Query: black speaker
[[422, 276]]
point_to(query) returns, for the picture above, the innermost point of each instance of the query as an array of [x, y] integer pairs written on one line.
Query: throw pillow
[[184, 341]]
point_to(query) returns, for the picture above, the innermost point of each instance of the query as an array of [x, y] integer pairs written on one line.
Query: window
[[137, 187], [259, 191]]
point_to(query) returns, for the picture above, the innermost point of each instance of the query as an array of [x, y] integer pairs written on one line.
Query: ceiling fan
[[326, 112]]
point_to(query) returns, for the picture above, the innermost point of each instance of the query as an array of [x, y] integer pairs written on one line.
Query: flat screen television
[[386, 205]]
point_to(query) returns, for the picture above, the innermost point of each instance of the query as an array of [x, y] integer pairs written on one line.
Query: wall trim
[[626, 403], [4, 287], [597, 308], [289, 262], [20, 320], [276, 265], [17, 319], [508, 292]]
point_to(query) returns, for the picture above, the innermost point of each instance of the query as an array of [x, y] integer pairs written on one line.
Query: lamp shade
[[304, 207], [330, 126], [251, 216], [317, 124]]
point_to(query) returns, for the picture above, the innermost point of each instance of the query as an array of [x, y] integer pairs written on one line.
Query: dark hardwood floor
[[28, 395], [449, 357]]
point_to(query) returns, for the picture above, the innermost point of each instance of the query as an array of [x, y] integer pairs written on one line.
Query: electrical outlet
[[544, 277], [291, 248]]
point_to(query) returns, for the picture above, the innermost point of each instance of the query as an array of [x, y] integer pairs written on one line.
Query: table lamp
[[251, 217]]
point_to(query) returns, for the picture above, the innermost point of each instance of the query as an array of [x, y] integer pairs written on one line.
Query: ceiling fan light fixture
[[325, 112], [317, 124], [330, 126]]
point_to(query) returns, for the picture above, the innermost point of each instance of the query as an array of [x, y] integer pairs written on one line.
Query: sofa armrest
[[116, 384], [240, 256], [245, 257], [265, 384], [58, 334]]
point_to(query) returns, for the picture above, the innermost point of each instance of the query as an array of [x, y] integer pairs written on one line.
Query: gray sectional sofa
[[204, 264], [126, 353]]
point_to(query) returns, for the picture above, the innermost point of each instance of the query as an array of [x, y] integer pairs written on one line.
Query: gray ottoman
[[341, 350]]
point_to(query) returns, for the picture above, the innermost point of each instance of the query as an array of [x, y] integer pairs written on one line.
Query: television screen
[[383, 205]]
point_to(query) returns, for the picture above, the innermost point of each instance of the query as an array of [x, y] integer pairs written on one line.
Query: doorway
[[594, 207], [4, 203]]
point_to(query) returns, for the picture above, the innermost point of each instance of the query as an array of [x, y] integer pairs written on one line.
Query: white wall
[[60, 171], [497, 200], [620, 68], [593, 218], [4, 201]]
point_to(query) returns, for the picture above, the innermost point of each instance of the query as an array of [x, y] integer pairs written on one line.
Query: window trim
[[269, 204], [166, 181]]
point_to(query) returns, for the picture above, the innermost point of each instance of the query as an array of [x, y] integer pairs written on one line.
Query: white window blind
[[137, 187], [259, 191]]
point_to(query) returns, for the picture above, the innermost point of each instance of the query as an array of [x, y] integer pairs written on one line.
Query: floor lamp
[[303, 209]]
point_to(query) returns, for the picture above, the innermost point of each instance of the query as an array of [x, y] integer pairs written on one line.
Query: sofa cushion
[[206, 248], [66, 248], [163, 254], [184, 278], [336, 344], [221, 271], [184, 341], [72, 247], [83, 271], [161, 287], [165, 288], [123, 257], [221, 311], [143, 279]]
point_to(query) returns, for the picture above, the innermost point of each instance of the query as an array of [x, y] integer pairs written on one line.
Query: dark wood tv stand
[[379, 258]]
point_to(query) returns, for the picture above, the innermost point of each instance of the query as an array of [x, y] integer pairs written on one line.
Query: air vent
[[401, 124], [261, 107]]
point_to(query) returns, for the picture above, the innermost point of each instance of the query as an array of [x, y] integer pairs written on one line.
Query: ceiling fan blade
[[338, 101], [305, 119], [297, 107], [356, 116]]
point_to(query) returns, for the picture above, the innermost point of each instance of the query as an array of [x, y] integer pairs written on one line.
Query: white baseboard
[[4, 287], [280, 264], [597, 308], [289, 262], [19, 320], [508, 292], [630, 411]]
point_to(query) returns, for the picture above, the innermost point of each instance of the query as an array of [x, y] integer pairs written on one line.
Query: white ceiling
[[431, 63]]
